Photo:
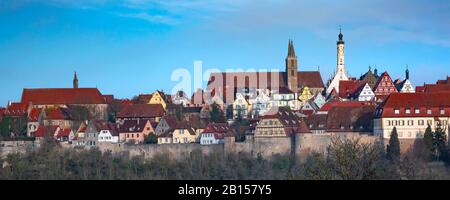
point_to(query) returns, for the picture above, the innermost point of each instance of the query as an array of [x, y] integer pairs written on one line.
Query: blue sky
[[127, 47]]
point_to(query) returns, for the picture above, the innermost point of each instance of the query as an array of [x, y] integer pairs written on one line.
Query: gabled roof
[[33, 116], [348, 89], [66, 96], [17, 109], [284, 114], [59, 113], [141, 111], [63, 132], [43, 130], [133, 126], [144, 98]]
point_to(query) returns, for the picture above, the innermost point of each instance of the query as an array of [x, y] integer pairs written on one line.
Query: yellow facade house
[[159, 98], [306, 94], [184, 134]]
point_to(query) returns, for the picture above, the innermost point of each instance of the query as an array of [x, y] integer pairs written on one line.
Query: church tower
[[340, 55], [341, 73], [75, 81], [291, 68]]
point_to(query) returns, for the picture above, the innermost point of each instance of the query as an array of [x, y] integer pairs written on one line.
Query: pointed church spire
[[75, 81], [340, 36], [291, 51], [407, 72]]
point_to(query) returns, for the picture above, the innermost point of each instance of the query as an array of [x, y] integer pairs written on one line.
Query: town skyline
[[53, 41]]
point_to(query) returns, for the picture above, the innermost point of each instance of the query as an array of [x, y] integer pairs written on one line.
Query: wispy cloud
[[154, 19]]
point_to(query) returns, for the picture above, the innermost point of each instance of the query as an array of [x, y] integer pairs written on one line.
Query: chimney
[[9, 103]]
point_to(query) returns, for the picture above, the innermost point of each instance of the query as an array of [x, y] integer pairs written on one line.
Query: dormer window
[[397, 111], [429, 112], [442, 111], [417, 111], [408, 111]]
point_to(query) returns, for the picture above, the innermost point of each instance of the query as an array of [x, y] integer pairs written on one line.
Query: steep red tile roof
[[2, 113], [59, 114], [348, 89], [328, 106], [64, 132], [303, 127], [33, 116], [219, 130], [317, 121], [422, 101], [350, 119], [384, 86], [144, 98], [109, 98], [43, 130], [312, 79], [17, 109], [67, 96], [141, 111], [133, 126]]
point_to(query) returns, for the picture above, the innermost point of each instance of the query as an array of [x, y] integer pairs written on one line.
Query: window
[[442, 111], [429, 111], [397, 111], [430, 122], [417, 111], [128, 135], [402, 123], [137, 135], [421, 122], [408, 111], [132, 135]]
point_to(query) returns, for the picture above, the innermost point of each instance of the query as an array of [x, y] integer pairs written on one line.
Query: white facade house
[[109, 133], [210, 139], [180, 98], [260, 104], [407, 87], [284, 98], [411, 115], [366, 93], [215, 133], [241, 106]]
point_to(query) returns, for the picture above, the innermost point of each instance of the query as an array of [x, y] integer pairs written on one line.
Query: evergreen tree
[[428, 140], [393, 149], [5, 132], [439, 143], [217, 114], [150, 139]]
